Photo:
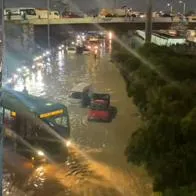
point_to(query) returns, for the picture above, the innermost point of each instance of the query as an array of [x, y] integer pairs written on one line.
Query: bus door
[[28, 134], [40, 138]]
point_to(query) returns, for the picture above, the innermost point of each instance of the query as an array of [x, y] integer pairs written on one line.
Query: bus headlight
[[68, 143], [40, 153]]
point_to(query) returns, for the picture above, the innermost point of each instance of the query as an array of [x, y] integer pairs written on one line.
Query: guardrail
[[94, 20], [89, 20]]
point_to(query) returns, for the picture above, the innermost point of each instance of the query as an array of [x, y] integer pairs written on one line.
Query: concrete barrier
[[162, 40], [91, 20]]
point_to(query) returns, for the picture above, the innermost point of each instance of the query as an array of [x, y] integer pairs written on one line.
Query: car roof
[[81, 87], [71, 47]]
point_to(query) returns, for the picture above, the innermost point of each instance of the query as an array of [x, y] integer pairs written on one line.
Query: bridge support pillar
[[28, 38], [148, 27]]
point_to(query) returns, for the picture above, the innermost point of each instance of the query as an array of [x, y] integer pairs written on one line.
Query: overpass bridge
[[36, 29], [109, 23]]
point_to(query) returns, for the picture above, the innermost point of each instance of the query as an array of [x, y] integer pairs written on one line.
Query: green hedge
[[163, 86]]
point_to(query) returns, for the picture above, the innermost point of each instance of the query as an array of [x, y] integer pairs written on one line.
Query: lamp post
[[171, 7], [48, 27], [115, 4], [184, 6], [1, 108], [148, 27]]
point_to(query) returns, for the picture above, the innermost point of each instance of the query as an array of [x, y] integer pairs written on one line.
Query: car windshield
[[99, 106]]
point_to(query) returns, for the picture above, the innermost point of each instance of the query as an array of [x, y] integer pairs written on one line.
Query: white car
[[71, 50]]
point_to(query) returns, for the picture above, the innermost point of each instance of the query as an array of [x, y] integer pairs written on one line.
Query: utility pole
[[115, 4], [48, 30], [184, 6], [148, 27], [1, 95], [171, 8]]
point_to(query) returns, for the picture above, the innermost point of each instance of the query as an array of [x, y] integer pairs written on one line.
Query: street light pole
[[115, 4], [48, 30], [148, 28], [171, 7], [184, 6], [1, 108]]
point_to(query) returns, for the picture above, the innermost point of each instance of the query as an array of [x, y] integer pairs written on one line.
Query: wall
[[161, 40]]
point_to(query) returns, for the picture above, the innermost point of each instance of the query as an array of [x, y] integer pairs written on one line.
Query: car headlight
[[40, 153]]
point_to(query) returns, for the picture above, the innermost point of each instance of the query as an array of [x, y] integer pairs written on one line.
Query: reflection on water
[[110, 46], [80, 175]]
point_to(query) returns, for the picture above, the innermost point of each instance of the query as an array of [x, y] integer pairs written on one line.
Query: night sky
[[90, 4]]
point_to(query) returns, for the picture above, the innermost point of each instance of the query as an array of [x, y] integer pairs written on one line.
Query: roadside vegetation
[[163, 86]]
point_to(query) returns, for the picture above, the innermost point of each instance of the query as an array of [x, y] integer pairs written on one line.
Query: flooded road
[[97, 165]]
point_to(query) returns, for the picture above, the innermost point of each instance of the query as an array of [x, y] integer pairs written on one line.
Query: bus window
[[58, 120], [62, 121], [30, 12]]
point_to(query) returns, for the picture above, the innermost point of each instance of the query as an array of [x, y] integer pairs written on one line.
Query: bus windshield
[[58, 120], [60, 124]]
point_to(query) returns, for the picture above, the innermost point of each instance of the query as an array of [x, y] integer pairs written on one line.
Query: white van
[[43, 14], [80, 94], [71, 50]]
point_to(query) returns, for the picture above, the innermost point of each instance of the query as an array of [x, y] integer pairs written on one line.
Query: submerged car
[[100, 108], [80, 94]]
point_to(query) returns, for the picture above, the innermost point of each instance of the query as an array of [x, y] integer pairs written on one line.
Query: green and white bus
[[35, 125]]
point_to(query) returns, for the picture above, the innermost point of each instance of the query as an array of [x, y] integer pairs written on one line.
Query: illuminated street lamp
[[19, 70], [48, 17], [184, 6], [171, 7], [2, 110], [115, 4]]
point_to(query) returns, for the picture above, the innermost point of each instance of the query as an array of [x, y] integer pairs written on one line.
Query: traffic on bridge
[[123, 15]]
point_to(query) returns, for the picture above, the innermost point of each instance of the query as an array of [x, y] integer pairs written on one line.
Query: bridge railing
[[89, 20]]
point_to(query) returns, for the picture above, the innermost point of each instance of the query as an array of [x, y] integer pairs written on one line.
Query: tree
[[164, 91]]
